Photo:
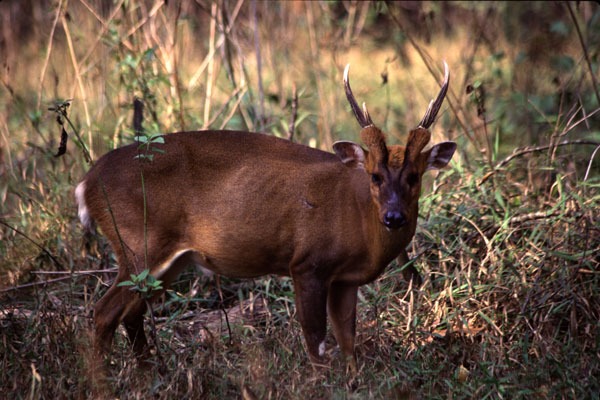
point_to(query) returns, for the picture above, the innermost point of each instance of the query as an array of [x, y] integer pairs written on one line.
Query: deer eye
[[376, 179], [412, 179]]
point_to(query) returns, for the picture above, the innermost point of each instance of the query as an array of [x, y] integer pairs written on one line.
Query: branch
[[585, 52], [63, 278], [292, 126], [39, 246], [527, 150]]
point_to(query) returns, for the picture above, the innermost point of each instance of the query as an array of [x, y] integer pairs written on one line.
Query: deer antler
[[419, 137], [363, 117], [435, 105]]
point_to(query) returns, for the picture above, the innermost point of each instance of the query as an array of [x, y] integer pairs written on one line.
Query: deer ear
[[440, 155], [350, 154]]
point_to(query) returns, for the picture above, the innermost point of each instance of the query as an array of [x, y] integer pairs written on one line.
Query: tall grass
[[508, 240]]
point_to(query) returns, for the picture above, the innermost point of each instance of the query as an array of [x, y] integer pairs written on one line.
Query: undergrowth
[[508, 303], [508, 241]]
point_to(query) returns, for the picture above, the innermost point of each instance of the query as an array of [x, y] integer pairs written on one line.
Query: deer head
[[395, 170]]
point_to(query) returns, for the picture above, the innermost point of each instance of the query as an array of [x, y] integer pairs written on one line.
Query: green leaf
[[142, 276], [500, 199], [560, 27], [563, 63]]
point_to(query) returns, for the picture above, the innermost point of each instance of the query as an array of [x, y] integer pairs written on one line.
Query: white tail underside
[[83, 212]]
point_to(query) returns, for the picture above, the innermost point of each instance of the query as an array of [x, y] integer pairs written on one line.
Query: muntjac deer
[[246, 204]]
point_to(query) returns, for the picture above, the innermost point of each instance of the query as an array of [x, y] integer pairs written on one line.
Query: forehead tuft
[[372, 136], [417, 140], [395, 156]]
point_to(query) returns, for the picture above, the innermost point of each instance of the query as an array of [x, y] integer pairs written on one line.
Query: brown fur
[[417, 140], [374, 139], [396, 156]]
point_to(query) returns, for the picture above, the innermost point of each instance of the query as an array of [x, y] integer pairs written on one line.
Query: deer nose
[[394, 219]]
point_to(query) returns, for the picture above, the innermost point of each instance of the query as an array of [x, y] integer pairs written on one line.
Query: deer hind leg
[[311, 305], [109, 312], [341, 307], [120, 304], [133, 317]]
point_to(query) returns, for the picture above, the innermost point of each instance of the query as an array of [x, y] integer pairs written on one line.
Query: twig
[[351, 8], [261, 95], [587, 171], [176, 77], [63, 278], [235, 107], [527, 150], [226, 52], [153, 331], [26, 285], [78, 77], [39, 246], [491, 230], [325, 136], [517, 219], [585, 52], [48, 53], [105, 25], [211, 66], [226, 103], [226, 321], [570, 124], [83, 272], [292, 126], [193, 82]]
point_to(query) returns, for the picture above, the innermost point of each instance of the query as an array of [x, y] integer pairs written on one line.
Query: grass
[[508, 241]]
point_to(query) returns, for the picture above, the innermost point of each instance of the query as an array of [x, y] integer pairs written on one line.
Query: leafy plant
[[147, 148], [145, 284]]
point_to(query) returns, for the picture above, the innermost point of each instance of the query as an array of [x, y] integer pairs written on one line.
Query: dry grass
[[509, 239]]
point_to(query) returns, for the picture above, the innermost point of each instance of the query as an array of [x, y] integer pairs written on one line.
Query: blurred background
[[518, 69], [523, 106]]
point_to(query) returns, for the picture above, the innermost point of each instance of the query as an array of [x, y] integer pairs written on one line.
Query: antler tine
[[435, 105], [367, 115], [362, 117]]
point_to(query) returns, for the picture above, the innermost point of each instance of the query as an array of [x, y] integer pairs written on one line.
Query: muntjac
[[247, 204]]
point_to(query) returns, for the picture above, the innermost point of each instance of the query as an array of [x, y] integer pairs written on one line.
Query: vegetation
[[508, 242]]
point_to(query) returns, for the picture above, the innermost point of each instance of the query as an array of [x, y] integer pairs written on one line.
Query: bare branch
[[527, 150], [292, 125]]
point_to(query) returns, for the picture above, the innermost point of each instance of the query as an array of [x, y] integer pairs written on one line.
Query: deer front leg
[[341, 304], [311, 305]]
